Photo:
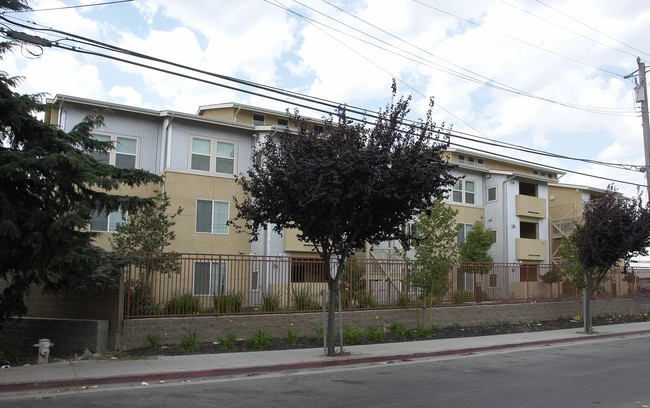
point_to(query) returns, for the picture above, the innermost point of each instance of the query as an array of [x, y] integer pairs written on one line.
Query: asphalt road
[[609, 373]]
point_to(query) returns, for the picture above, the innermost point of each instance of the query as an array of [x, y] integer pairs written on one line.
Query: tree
[[435, 252], [477, 245], [614, 230], [144, 237], [49, 187], [147, 229], [346, 184]]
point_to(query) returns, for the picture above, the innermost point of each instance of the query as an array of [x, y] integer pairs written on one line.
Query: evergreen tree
[[49, 187]]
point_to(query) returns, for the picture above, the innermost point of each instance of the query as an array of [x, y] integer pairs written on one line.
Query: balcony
[[528, 206], [531, 249]]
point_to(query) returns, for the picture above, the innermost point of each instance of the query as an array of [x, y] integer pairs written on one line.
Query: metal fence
[[173, 284]]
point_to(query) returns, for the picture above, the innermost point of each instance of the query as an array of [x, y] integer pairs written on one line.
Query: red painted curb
[[224, 372]]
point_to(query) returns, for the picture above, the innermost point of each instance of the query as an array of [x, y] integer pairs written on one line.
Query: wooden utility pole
[[642, 97]]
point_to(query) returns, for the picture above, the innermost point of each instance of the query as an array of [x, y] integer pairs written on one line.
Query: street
[[607, 373]]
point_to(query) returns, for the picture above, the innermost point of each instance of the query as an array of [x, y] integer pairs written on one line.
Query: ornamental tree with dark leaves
[[614, 230], [49, 187], [346, 184]]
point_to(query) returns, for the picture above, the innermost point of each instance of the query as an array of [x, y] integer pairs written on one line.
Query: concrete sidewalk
[[90, 373]]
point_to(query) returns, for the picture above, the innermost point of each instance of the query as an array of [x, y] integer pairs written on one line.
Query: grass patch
[[376, 334], [153, 341], [225, 342], [184, 304], [261, 339], [352, 334]]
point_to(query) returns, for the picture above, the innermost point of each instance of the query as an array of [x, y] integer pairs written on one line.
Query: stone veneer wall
[[209, 328]]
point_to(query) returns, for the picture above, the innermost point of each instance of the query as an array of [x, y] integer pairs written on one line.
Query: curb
[[225, 372]]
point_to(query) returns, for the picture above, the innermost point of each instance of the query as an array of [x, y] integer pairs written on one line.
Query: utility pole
[[642, 96]]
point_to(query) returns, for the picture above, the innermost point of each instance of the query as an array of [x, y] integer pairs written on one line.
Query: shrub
[[261, 339], [402, 300], [427, 331], [229, 303], [270, 303], [352, 334], [141, 301], [463, 296], [320, 334], [293, 336], [184, 304], [302, 300], [152, 340], [376, 334], [366, 301], [226, 341], [396, 327], [188, 342]]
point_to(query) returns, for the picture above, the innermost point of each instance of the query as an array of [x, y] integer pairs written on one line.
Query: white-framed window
[[464, 192], [212, 216], [463, 230], [495, 236], [210, 278], [258, 119], [212, 155], [492, 194], [283, 122], [102, 222], [124, 155], [461, 159]]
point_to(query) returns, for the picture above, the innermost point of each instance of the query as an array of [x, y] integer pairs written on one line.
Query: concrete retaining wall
[[68, 335], [210, 328]]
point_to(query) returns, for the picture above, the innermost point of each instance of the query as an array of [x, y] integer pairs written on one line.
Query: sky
[[543, 74]]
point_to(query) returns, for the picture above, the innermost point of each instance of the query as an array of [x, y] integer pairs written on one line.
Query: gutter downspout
[[166, 159], [61, 116], [507, 227]]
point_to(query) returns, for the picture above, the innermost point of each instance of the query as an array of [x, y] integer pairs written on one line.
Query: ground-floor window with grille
[[210, 278]]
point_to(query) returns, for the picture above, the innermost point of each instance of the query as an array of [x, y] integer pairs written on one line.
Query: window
[[480, 163], [463, 192], [318, 129], [528, 189], [202, 157], [225, 162], [491, 194], [101, 222], [470, 160], [527, 230], [200, 154], [212, 216], [258, 119], [124, 153], [463, 230], [283, 122], [494, 236], [210, 278], [307, 270], [461, 158]]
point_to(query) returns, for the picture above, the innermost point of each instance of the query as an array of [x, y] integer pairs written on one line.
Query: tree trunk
[[331, 315], [587, 294]]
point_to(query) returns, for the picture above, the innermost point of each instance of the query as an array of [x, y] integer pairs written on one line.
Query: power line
[[318, 101], [592, 28], [474, 77], [71, 7]]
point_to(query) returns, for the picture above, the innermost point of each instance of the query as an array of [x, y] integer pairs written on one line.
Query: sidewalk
[[90, 373]]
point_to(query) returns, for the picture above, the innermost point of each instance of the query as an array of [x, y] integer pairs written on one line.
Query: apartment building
[[199, 156]]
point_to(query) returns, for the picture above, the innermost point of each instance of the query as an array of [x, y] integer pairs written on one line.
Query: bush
[[141, 303], [366, 300], [302, 300], [463, 296], [226, 341], [261, 339], [352, 334], [230, 303], [293, 336], [184, 304], [427, 331], [402, 300], [376, 334], [270, 303], [320, 334], [152, 340], [400, 330], [188, 342]]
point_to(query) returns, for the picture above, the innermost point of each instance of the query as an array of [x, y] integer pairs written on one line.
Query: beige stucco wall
[[469, 215], [183, 190]]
